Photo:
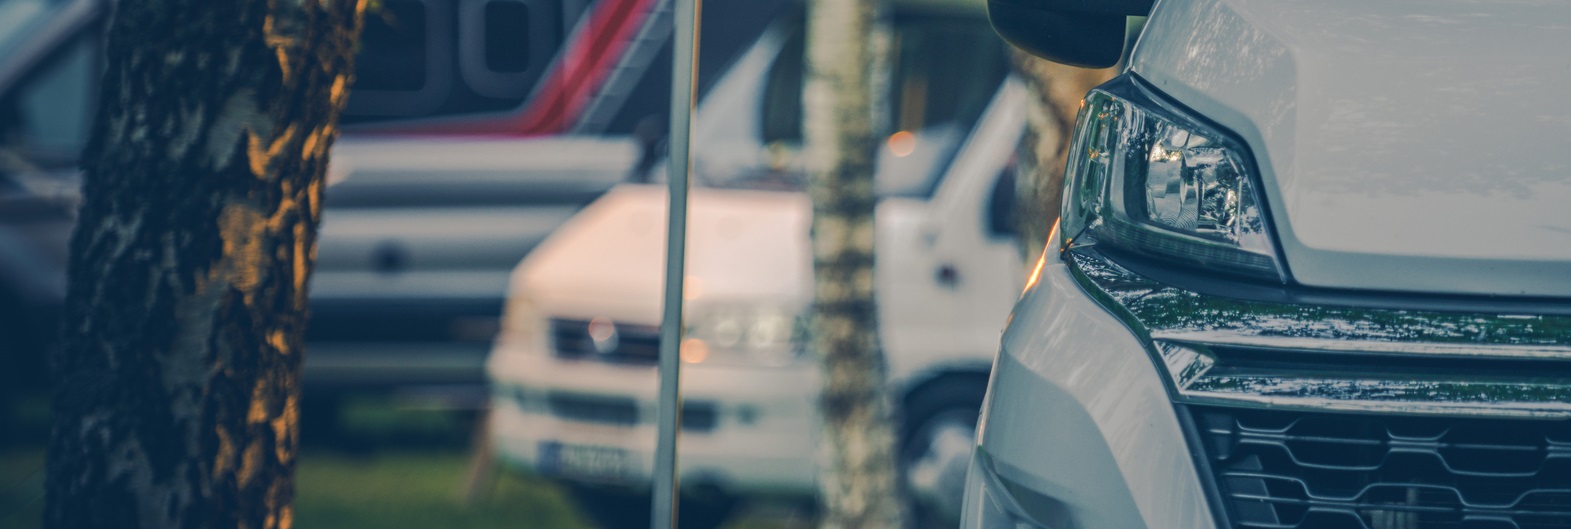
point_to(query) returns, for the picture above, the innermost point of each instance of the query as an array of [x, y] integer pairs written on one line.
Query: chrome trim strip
[[1201, 378], [1327, 345], [1180, 327]]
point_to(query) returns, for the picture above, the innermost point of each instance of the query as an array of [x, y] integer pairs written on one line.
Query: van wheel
[[936, 451], [613, 508]]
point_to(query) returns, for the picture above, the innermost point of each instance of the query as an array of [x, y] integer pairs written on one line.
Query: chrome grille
[[1304, 470], [697, 416], [634, 344]]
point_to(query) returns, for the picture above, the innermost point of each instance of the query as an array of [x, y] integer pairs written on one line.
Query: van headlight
[[766, 335], [524, 327], [1147, 178]]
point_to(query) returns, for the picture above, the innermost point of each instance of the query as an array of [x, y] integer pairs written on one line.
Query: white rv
[[574, 369]]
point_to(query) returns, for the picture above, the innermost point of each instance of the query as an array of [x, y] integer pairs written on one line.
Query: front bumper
[[1099, 445], [747, 430], [1117, 401]]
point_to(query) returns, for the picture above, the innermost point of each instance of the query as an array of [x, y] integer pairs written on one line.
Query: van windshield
[[944, 71]]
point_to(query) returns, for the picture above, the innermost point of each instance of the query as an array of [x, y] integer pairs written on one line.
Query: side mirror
[[1086, 33]]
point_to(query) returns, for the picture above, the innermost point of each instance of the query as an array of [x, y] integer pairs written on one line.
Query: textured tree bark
[[859, 477], [177, 403], [1057, 90]]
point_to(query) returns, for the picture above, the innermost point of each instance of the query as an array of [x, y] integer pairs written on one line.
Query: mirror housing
[[1085, 33]]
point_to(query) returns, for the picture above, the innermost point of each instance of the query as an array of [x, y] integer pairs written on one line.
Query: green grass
[[387, 491], [423, 490], [420, 490], [404, 466], [390, 490], [21, 487]]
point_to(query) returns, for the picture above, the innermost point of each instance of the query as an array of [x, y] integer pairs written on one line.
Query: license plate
[[586, 462]]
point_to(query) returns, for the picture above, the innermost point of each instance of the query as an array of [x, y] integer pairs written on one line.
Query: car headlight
[[1148, 178], [522, 324], [765, 334]]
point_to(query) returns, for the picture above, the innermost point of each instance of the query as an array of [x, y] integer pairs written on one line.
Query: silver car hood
[[1404, 145]]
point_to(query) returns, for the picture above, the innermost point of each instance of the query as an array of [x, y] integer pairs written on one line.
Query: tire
[[615, 508], [936, 446]]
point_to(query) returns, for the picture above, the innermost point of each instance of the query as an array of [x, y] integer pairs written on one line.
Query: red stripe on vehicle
[[567, 89]]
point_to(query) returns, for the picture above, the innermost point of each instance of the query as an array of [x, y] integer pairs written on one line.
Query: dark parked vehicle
[[469, 136]]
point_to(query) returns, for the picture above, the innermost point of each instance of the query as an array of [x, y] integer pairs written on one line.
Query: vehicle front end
[[1279, 297], [573, 370], [1146, 403], [571, 412]]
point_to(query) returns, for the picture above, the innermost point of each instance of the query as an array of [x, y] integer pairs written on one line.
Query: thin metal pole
[[663, 513]]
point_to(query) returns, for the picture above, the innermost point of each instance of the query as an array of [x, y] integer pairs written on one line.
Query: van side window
[[393, 46], [440, 58], [971, 64], [506, 49], [782, 112], [1001, 207], [44, 122], [730, 29], [504, 46], [405, 64], [942, 73], [970, 56]]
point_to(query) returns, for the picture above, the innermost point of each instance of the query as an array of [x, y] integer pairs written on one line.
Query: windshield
[[944, 71]]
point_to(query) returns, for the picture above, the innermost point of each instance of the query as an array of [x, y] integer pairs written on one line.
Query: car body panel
[[1077, 412], [1400, 143]]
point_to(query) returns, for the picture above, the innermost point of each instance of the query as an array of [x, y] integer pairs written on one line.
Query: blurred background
[[479, 130]]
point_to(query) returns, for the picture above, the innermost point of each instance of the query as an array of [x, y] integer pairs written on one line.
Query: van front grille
[[628, 344], [697, 416], [593, 408], [1306, 470]]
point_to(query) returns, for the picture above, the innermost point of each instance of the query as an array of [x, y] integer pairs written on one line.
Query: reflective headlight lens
[[764, 334], [1146, 178], [522, 323]]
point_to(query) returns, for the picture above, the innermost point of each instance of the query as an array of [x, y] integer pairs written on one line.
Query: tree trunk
[[1056, 91], [180, 360], [859, 477]]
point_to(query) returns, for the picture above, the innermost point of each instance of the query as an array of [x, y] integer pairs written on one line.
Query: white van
[[1313, 271], [574, 368]]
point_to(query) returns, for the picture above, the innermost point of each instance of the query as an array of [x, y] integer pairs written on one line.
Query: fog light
[[694, 350]]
